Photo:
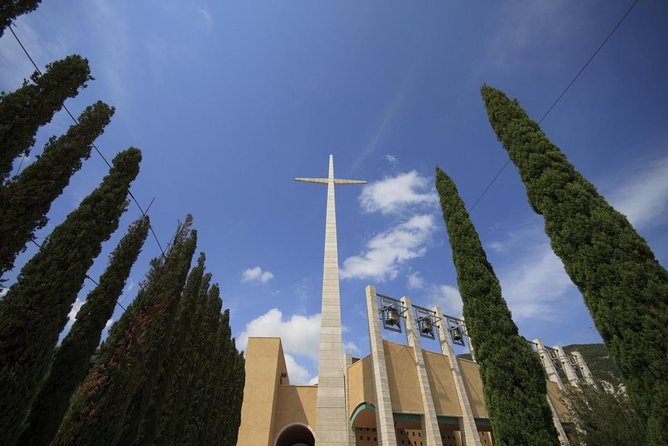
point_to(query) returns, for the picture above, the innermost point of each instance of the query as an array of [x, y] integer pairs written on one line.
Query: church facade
[[399, 394]]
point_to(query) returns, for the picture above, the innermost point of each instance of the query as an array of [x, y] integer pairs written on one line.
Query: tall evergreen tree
[[195, 426], [513, 380], [10, 9], [179, 356], [72, 359], [35, 309], [177, 410], [26, 199], [100, 407], [23, 111], [624, 287]]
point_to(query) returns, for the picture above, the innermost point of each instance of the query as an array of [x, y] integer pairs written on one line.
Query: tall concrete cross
[[331, 426]]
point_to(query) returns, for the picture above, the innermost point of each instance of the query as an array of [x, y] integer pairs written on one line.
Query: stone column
[[584, 369], [566, 366], [384, 416], [469, 431], [548, 365], [430, 430]]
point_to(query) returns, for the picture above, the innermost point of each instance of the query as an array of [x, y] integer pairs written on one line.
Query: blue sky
[[231, 100]]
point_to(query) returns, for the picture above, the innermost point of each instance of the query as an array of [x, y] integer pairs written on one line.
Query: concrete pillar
[[548, 365], [584, 369], [467, 427], [468, 339], [566, 366], [384, 416], [430, 430]]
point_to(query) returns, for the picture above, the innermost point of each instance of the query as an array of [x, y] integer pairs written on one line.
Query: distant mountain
[[597, 358]]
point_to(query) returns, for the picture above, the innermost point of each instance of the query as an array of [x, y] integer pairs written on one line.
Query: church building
[[399, 394]]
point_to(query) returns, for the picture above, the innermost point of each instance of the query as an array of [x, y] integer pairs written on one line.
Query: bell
[[392, 316], [457, 335], [426, 326]]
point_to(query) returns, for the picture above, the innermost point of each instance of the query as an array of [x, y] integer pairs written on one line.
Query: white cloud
[[535, 283], [75, 309], [351, 348], [394, 194], [297, 373], [644, 196], [391, 159], [448, 298], [497, 246], [256, 275], [415, 281], [300, 335], [386, 251]]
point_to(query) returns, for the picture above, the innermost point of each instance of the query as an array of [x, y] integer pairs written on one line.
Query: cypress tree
[[624, 286], [35, 309], [72, 359], [513, 380], [195, 423], [23, 111], [179, 353], [10, 9], [100, 407], [183, 386], [26, 199]]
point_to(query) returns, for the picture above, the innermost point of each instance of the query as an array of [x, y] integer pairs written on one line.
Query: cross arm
[[339, 182], [312, 180]]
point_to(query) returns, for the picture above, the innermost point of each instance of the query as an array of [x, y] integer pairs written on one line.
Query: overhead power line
[[76, 121], [556, 101]]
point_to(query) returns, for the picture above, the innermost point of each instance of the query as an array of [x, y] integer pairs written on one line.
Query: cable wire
[[556, 101], [76, 121]]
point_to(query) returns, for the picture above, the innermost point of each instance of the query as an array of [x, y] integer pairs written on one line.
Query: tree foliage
[[121, 382], [26, 199], [23, 111], [72, 359], [624, 287], [35, 309], [513, 381], [10, 9], [603, 416]]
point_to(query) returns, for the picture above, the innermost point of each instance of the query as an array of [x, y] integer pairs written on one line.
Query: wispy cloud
[[256, 275], [16, 66], [387, 251], [391, 159], [447, 297], [397, 193], [206, 20], [415, 281], [643, 197], [387, 118]]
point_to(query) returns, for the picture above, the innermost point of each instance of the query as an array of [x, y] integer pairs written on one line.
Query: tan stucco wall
[[442, 384], [555, 398], [295, 404], [473, 384], [264, 365], [402, 378], [360, 384]]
